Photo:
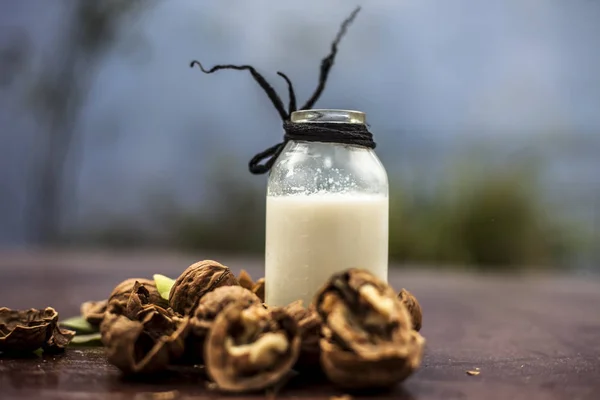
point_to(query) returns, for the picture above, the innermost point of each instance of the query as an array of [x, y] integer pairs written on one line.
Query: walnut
[[197, 280], [245, 280], [123, 290], [413, 307], [209, 307], [29, 330], [58, 340], [93, 311], [251, 348], [113, 310], [139, 300], [216, 301], [309, 328], [368, 340], [146, 345], [259, 289]]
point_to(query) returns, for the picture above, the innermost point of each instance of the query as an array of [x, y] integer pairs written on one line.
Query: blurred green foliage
[[232, 219], [491, 221], [488, 220], [234, 224]]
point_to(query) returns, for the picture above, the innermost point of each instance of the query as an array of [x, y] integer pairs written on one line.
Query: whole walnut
[[197, 280], [251, 348], [124, 289], [413, 307], [368, 340]]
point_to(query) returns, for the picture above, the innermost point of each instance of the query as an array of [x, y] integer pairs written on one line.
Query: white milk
[[310, 237]]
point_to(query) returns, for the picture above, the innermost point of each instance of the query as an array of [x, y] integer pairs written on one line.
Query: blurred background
[[485, 113]]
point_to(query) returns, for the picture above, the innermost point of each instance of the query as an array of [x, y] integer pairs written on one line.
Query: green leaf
[[92, 339], [164, 285], [78, 324], [39, 352]]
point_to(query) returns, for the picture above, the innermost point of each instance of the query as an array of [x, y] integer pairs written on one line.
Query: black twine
[[346, 133]]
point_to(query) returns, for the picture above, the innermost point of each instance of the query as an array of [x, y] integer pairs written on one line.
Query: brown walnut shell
[[309, 328], [216, 301], [113, 310], [144, 346], [245, 280], [93, 311], [368, 340], [251, 348], [413, 307], [124, 289], [350, 371], [29, 330], [59, 339], [259, 289], [197, 280], [140, 299], [209, 307]]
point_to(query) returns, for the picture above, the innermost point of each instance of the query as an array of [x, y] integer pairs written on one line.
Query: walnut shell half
[[368, 340], [348, 370], [413, 307], [144, 346], [251, 348], [197, 280], [29, 330]]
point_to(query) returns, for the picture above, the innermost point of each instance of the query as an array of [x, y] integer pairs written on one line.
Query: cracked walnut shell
[[29, 330], [93, 311], [197, 280], [216, 301], [251, 348], [209, 307], [124, 289], [146, 345], [245, 280], [368, 340], [309, 328], [413, 307], [259, 289], [140, 300]]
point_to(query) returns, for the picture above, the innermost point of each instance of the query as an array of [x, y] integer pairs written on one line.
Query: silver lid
[[334, 116]]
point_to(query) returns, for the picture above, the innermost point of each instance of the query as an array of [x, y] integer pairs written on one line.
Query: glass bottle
[[327, 210]]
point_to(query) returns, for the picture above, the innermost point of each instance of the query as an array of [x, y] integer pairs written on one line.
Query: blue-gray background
[[499, 98]]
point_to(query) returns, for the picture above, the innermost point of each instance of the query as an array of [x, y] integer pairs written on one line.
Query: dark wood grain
[[532, 337]]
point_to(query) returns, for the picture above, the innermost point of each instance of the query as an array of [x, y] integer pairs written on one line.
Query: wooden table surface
[[532, 337]]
